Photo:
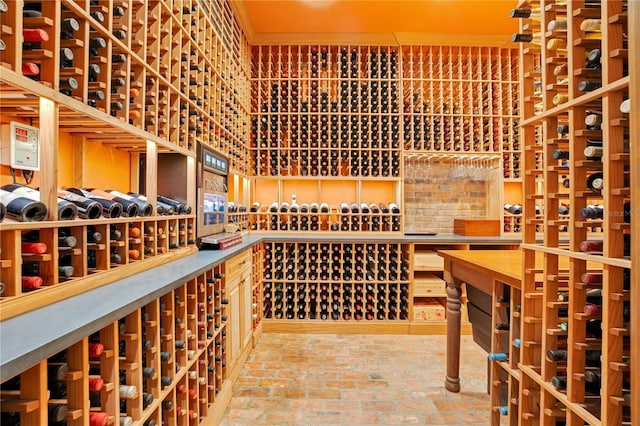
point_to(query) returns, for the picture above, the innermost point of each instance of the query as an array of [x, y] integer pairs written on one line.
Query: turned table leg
[[452, 381]]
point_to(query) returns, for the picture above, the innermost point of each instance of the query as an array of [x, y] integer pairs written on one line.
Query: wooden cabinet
[[239, 299]]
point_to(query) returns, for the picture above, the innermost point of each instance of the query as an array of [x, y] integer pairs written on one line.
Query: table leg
[[452, 381]]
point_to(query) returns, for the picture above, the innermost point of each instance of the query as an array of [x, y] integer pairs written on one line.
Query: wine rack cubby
[[167, 360], [329, 281], [575, 322]]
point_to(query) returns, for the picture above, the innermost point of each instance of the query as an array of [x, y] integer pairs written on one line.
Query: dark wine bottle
[[180, 207], [110, 208], [87, 208], [130, 208], [589, 85], [595, 181]]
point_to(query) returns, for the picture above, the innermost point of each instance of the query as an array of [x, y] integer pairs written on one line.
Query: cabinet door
[[246, 310], [234, 316]]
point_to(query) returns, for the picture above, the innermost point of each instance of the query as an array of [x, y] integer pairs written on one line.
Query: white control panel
[[20, 146]]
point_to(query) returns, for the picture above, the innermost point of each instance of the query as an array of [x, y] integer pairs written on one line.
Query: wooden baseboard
[[333, 327], [257, 334], [436, 328]]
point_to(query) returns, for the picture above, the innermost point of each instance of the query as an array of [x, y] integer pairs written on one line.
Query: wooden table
[[480, 268]]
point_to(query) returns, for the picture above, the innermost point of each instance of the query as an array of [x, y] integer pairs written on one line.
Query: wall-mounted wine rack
[[462, 100], [575, 325], [80, 255]]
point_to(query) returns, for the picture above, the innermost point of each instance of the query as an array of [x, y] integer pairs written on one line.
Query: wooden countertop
[[503, 265]]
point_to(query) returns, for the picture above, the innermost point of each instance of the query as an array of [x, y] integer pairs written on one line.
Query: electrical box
[[20, 146]]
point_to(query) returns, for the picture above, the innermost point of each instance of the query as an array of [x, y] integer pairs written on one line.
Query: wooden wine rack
[[324, 281], [169, 360], [164, 67], [462, 100], [153, 78], [556, 313], [125, 247]]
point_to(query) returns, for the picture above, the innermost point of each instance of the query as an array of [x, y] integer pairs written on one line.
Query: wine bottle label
[[70, 196]]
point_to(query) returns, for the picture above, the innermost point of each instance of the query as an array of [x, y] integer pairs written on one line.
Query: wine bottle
[[496, 356], [560, 98], [87, 208], [144, 208], [68, 27], [33, 35], [110, 208], [525, 38], [595, 181], [625, 106], [591, 25], [589, 85], [513, 208], [525, 13], [98, 418], [560, 154], [592, 212], [161, 208], [593, 151], [180, 207], [22, 209], [57, 412], [30, 69]]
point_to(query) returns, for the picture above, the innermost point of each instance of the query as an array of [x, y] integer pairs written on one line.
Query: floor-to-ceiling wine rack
[[575, 322]]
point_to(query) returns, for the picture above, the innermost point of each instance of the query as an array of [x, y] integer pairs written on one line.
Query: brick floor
[[322, 379]]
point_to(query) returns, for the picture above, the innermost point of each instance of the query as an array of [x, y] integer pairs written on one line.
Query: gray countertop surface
[[28, 338]]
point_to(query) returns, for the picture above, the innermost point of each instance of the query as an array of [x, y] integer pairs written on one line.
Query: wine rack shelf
[[138, 71], [574, 314], [336, 281], [351, 218], [326, 111], [43, 265], [462, 100], [168, 361]]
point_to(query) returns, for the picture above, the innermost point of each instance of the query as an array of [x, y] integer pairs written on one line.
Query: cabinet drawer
[[239, 262], [238, 267]]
